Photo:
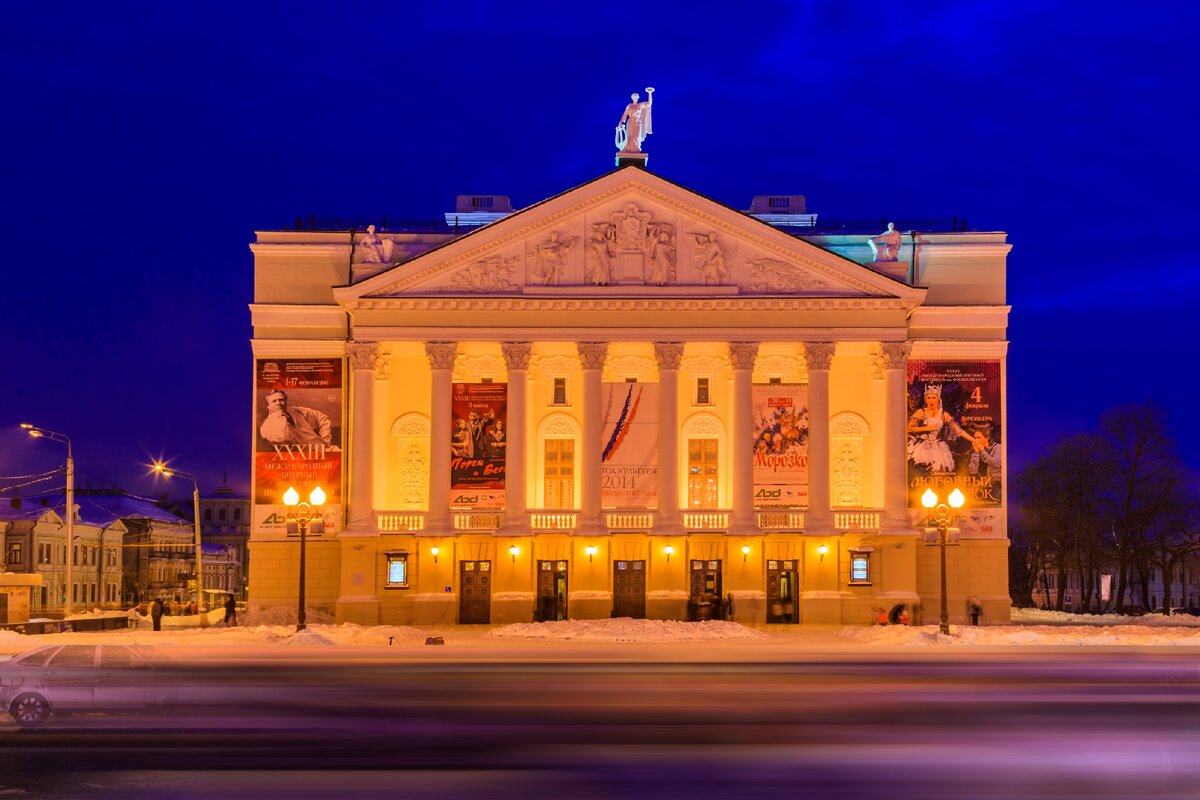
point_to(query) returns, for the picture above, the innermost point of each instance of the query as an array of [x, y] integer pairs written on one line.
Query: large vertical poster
[[629, 445], [954, 439], [477, 445], [298, 437], [780, 417]]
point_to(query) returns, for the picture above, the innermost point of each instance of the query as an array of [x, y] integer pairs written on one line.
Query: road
[[574, 721]]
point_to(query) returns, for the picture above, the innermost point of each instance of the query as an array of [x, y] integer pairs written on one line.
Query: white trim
[[395, 333], [298, 348], [931, 349], [960, 317]]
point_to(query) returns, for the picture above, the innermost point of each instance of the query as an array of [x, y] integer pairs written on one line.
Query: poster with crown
[[954, 439]]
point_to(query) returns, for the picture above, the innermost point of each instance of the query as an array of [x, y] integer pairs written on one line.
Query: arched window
[[208, 515], [237, 515], [221, 515], [702, 441]]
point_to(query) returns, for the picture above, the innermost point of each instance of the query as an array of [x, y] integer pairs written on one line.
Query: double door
[[782, 591], [704, 590], [475, 596], [551, 591], [629, 589]]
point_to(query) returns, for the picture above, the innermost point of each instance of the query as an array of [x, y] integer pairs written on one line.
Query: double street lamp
[[942, 515], [301, 514], [62, 438], [170, 472]]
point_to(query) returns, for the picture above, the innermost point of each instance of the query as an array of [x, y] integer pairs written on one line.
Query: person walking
[[156, 613], [230, 612]]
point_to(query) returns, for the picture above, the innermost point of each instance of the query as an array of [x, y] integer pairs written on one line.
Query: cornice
[[477, 303], [925, 349], [298, 348]]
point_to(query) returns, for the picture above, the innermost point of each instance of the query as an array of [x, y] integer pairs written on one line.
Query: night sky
[[143, 143]]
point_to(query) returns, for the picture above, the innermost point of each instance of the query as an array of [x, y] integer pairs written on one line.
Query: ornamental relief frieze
[[706, 366], [620, 368], [475, 368], [556, 366], [784, 368]]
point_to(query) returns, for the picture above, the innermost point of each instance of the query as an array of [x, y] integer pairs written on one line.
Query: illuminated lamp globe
[[291, 497], [957, 498], [929, 499], [317, 496]]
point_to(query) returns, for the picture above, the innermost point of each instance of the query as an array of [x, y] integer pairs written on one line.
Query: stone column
[[895, 462], [820, 357], [668, 355], [516, 358], [741, 437], [441, 363], [363, 356], [591, 358]]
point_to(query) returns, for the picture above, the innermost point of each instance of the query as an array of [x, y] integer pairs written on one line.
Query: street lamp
[[169, 472], [301, 514], [941, 516], [62, 438]]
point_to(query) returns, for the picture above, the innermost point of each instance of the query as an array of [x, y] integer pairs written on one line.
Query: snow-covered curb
[[627, 630]]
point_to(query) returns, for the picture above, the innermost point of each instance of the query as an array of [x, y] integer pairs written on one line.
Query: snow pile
[[627, 630], [284, 615], [308, 636], [1037, 616], [1058, 635]]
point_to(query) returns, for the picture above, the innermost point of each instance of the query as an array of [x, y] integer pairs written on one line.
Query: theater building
[[631, 400]]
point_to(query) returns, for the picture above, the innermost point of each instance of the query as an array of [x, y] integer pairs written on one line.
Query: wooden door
[[475, 593], [782, 591], [551, 591], [629, 589], [705, 598]]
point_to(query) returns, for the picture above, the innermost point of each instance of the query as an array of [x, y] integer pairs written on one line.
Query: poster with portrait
[[478, 442], [298, 412], [779, 413], [954, 439], [629, 445]]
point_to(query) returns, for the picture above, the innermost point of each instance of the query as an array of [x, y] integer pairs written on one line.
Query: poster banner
[[298, 405], [954, 439], [477, 445], [629, 445], [780, 417]]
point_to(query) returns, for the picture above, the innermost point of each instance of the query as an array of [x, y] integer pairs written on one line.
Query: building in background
[[225, 525], [630, 400]]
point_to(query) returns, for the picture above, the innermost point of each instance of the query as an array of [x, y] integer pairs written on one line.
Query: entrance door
[[475, 598], [782, 591], [4, 608], [551, 591], [705, 601], [629, 589]]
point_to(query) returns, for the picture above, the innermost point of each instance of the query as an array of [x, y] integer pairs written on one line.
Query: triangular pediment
[[629, 232]]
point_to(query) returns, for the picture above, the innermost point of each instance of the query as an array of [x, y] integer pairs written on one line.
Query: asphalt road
[[653, 721]]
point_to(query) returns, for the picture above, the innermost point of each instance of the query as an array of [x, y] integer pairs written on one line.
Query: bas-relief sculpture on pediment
[[548, 259], [775, 276], [631, 247], [493, 274]]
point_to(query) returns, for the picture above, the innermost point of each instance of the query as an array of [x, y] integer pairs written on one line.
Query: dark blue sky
[[143, 143]]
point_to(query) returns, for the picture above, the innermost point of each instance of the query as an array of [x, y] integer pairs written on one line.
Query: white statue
[[886, 246], [710, 259], [552, 257], [601, 250], [660, 250], [374, 249], [634, 124]]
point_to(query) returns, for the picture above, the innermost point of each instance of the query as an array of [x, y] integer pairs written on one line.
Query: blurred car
[[81, 677]]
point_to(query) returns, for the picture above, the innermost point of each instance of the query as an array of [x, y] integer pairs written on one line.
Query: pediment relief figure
[[630, 224], [548, 259], [709, 258], [491, 274], [600, 252], [774, 276]]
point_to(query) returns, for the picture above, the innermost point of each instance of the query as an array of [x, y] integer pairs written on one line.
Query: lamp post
[[941, 515], [62, 438], [168, 472], [301, 514]]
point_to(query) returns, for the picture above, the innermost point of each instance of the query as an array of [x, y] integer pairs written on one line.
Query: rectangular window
[[397, 569], [775, 381], [559, 470], [559, 398], [702, 473], [702, 396], [14, 553], [860, 567], [631, 380], [778, 202], [486, 380]]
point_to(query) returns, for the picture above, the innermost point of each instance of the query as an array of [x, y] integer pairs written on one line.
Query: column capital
[[668, 354], [743, 354], [363, 355], [441, 355], [895, 354], [819, 354], [592, 354], [516, 354]]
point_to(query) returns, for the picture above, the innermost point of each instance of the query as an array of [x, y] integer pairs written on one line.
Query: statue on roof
[[375, 250], [634, 124], [886, 246]]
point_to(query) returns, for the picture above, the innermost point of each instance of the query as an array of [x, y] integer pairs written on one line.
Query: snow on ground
[[628, 630]]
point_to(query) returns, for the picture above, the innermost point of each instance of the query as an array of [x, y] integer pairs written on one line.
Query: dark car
[[81, 677]]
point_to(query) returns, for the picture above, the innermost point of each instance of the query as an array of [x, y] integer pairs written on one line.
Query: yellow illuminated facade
[[629, 287]]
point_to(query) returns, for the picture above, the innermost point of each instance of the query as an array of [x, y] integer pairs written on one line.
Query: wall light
[[513, 551], [745, 551], [822, 550], [434, 551], [591, 550], [668, 550]]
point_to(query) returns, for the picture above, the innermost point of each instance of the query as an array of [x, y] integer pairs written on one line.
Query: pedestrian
[[976, 610], [230, 612], [880, 616], [904, 618], [156, 613]]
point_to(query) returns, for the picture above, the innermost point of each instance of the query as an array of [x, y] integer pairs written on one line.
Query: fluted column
[[516, 358], [591, 358], [741, 439], [668, 355], [895, 462], [441, 363], [363, 357], [820, 357]]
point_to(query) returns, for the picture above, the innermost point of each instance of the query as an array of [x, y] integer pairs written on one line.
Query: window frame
[[865, 556], [395, 557]]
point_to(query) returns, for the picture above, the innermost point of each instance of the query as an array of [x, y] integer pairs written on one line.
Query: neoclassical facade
[[628, 400]]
